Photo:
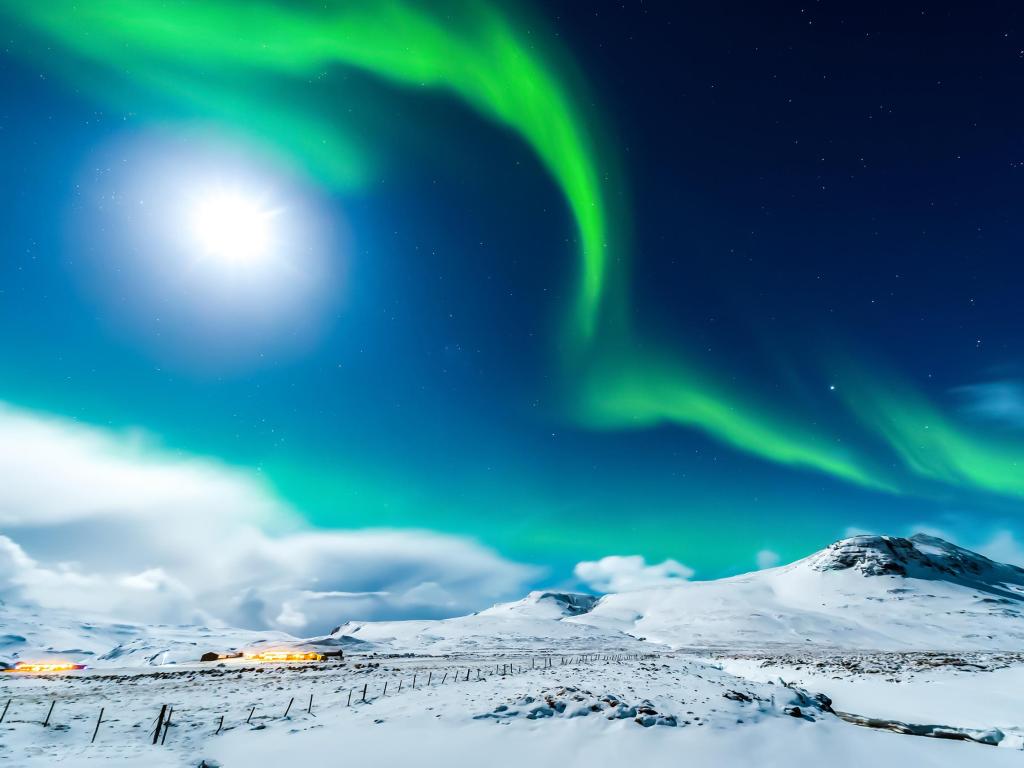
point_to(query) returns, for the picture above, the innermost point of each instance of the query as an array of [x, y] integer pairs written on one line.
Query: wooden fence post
[[97, 729], [167, 724], [364, 691], [250, 714], [349, 702], [159, 723], [46, 722], [289, 707], [8, 704], [220, 725], [309, 709]]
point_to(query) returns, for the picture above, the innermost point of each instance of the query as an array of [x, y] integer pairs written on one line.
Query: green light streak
[[930, 444], [265, 68], [198, 51], [644, 393]]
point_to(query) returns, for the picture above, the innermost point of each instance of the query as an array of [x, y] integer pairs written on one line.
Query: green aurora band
[[247, 70]]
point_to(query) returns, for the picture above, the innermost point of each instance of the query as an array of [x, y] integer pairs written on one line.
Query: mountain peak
[[920, 556], [548, 604], [570, 603]]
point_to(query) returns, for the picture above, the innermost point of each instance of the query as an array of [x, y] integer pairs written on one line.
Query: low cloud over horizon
[[111, 526]]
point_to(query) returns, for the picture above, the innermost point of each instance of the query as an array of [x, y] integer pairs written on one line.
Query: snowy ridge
[[921, 557], [864, 592], [540, 621]]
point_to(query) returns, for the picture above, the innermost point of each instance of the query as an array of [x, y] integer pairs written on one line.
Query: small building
[[214, 656]]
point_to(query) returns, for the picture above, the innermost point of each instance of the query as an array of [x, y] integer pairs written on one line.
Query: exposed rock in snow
[[919, 557]]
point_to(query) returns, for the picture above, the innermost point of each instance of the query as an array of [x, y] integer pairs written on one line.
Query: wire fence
[[205, 718]]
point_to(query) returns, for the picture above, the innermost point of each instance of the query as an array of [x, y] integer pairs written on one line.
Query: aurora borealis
[[603, 281]]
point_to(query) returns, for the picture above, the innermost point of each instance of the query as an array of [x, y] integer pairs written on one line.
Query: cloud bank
[[624, 573], [110, 525]]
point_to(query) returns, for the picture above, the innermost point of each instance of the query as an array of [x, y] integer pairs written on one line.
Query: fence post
[[385, 688], [289, 707], [364, 691], [309, 709], [429, 675], [159, 723], [97, 729], [8, 704], [349, 702], [414, 681], [46, 722], [167, 724], [250, 714], [219, 726]]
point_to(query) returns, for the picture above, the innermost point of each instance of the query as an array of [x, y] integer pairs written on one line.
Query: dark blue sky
[[820, 209]]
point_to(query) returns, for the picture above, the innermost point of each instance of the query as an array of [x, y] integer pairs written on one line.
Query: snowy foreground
[[907, 651], [514, 711]]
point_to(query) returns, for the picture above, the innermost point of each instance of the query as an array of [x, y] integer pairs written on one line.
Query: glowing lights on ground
[[45, 667], [277, 656]]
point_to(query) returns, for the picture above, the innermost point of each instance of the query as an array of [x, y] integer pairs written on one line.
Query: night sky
[[571, 279]]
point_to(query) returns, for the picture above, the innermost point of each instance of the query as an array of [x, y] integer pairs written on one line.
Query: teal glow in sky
[[524, 291]]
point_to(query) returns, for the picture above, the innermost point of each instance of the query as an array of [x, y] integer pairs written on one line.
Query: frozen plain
[[905, 635]]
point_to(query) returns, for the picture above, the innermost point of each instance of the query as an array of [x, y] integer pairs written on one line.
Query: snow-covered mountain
[[540, 621], [864, 592], [861, 593]]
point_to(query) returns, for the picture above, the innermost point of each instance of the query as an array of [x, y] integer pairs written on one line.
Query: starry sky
[[572, 279]]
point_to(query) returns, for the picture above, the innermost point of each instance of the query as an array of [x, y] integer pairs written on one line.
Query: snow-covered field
[[838, 658], [971, 690], [545, 710]]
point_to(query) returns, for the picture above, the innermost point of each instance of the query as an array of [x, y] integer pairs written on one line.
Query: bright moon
[[231, 227]]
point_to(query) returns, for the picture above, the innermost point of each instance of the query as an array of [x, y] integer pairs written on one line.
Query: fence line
[[163, 720]]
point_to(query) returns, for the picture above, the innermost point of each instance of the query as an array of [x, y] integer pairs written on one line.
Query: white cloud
[[56, 470], [1001, 402], [767, 558], [109, 525], [623, 573]]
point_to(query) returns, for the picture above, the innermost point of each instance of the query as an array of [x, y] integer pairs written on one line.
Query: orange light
[[45, 667], [285, 656]]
